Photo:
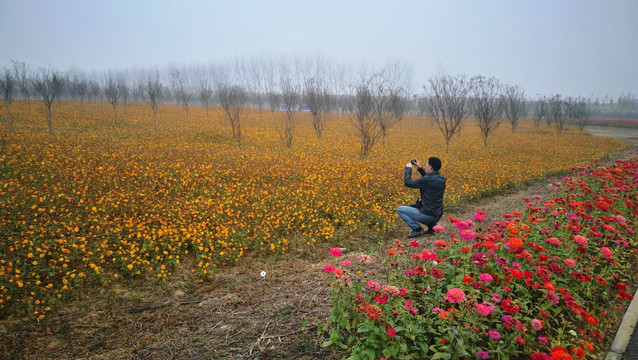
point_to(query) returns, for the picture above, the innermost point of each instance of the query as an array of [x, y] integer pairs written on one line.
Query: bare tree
[[233, 99], [205, 93], [446, 103], [364, 121], [8, 90], [487, 104], [316, 97], [577, 111], [94, 91], [557, 113], [23, 82], [180, 88], [539, 110], [124, 91], [291, 101], [112, 92], [515, 106], [49, 84], [154, 89]]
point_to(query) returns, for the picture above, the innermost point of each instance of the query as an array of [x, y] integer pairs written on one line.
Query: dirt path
[[238, 315]]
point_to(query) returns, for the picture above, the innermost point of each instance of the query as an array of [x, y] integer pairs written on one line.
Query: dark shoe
[[416, 233], [429, 232]]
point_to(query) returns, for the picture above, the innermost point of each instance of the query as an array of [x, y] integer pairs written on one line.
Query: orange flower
[[515, 242]]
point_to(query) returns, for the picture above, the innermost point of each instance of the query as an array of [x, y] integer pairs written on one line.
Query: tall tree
[[539, 110], [112, 92], [23, 81], [557, 113], [446, 102], [154, 89], [487, 104], [48, 84], [233, 99], [291, 101], [180, 88], [515, 105], [7, 90], [366, 126]]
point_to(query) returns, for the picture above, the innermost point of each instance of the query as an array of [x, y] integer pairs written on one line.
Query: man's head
[[434, 163]]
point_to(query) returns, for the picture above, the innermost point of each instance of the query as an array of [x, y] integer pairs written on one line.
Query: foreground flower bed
[[547, 284]]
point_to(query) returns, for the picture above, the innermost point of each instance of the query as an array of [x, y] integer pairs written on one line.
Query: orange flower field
[[98, 202]]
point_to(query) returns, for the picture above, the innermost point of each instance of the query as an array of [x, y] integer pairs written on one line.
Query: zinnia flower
[[485, 277], [495, 334], [391, 332], [570, 262], [438, 228], [335, 251], [455, 295], [483, 354]]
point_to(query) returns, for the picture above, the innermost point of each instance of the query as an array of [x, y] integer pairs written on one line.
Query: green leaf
[[441, 355]]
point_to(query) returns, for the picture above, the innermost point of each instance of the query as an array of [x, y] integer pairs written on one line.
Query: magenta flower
[[570, 262], [483, 354], [495, 334], [346, 263], [391, 332], [329, 268], [335, 251], [485, 277], [438, 228]]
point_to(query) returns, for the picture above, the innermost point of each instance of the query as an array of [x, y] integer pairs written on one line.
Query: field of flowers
[[545, 284], [614, 122], [97, 203]]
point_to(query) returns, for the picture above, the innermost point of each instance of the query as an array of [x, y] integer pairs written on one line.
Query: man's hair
[[435, 162]]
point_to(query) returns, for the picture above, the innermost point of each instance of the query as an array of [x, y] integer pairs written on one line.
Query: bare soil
[[237, 315]]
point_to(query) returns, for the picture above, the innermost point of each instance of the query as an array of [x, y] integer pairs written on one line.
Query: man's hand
[[417, 164], [408, 165]]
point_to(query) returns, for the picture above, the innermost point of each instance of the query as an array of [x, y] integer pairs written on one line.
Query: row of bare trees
[[376, 98]]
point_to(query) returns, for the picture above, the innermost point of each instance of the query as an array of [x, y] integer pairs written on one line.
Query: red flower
[[560, 353]]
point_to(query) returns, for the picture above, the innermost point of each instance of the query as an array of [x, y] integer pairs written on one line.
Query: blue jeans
[[412, 217]]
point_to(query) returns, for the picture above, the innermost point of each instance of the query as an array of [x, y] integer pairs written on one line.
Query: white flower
[[263, 274]]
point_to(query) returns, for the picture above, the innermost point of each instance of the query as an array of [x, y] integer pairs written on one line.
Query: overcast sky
[[568, 47]]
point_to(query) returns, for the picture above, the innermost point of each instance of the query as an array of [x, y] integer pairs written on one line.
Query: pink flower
[[537, 324], [543, 340], [338, 272], [364, 258], [485, 308], [455, 295], [381, 299], [485, 277], [479, 215], [374, 286], [495, 334], [570, 262], [335, 251], [468, 234], [438, 228], [483, 354], [606, 252], [391, 332], [329, 268], [391, 290], [580, 240]]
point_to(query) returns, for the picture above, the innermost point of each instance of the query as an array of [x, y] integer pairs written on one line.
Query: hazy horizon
[[572, 48]]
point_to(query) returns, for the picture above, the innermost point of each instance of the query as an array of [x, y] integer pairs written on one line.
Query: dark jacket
[[431, 186]]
